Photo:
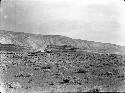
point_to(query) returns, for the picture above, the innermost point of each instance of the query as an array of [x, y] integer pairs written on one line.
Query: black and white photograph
[[62, 46]]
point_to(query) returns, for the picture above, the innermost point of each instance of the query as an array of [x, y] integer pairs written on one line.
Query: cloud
[[97, 20]]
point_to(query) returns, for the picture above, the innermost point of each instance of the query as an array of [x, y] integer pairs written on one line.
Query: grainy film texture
[[53, 46]]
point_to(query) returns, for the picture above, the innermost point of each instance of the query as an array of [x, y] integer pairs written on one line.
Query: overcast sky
[[93, 20]]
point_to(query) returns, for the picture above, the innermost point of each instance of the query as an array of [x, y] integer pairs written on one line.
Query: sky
[[92, 20]]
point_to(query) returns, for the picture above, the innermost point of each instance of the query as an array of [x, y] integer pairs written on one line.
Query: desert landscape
[[67, 46], [32, 63]]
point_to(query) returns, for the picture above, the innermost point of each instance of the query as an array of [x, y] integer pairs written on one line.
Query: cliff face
[[40, 42]]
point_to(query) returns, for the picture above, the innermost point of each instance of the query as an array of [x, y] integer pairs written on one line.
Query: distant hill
[[31, 62], [39, 42]]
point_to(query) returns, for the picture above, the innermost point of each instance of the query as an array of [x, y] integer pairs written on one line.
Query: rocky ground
[[32, 63], [61, 71]]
